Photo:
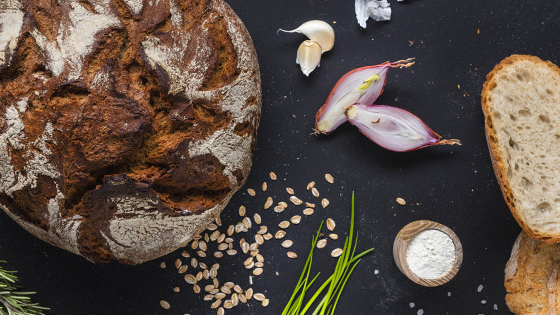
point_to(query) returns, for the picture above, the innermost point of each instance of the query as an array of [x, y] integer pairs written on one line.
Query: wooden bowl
[[404, 237]]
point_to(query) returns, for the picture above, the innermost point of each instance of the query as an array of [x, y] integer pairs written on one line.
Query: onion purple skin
[[366, 118], [369, 97]]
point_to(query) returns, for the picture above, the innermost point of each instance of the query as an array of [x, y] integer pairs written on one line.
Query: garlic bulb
[[308, 56], [318, 31]]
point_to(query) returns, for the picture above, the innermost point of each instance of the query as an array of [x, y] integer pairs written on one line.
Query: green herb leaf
[[335, 284]]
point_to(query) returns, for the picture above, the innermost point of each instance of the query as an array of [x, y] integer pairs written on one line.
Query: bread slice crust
[[498, 163]]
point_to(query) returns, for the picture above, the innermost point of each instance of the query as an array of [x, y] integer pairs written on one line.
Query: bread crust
[[125, 126], [495, 154], [532, 278]]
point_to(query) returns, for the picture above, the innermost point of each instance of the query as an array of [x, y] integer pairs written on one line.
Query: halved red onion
[[393, 128], [362, 85]]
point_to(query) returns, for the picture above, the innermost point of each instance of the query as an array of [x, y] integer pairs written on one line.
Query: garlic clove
[[308, 56], [393, 128], [316, 30], [363, 85]]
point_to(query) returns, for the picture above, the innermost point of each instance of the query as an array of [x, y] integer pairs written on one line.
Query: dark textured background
[[451, 185]]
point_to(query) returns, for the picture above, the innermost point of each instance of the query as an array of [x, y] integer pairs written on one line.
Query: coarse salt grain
[[430, 254], [411, 304], [479, 289]]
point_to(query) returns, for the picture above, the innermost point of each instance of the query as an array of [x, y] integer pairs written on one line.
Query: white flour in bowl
[[430, 254]]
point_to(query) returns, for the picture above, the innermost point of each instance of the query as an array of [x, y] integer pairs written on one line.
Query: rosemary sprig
[[13, 301], [345, 265]]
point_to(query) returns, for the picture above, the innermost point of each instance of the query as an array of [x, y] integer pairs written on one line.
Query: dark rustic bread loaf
[[125, 125]]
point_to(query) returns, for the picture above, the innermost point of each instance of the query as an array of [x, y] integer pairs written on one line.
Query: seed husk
[[258, 271], [273, 176], [330, 224], [259, 264], [324, 202], [260, 258], [242, 298], [296, 219], [216, 283], [229, 284], [401, 201], [264, 186], [268, 203], [259, 239], [226, 290], [259, 297], [228, 305], [284, 224], [336, 252], [248, 261], [333, 236], [265, 302], [315, 192], [292, 255], [231, 252], [245, 247], [220, 311], [283, 204], [280, 234], [267, 236], [185, 254], [329, 178], [218, 254], [262, 230], [183, 269], [310, 205], [250, 265], [208, 297], [212, 227], [239, 227], [216, 304], [220, 296], [242, 211], [194, 262], [230, 230], [194, 244], [289, 190], [221, 238], [295, 200], [164, 304], [202, 245], [322, 243], [213, 273], [219, 220], [214, 236], [199, 276], [215, 291], [206, 274], [206, 237], [178, 263], [310, 185], [196, 288], [234, 299], [201, 254], [257, 218], [308, 211], [162, 265], [237, 289], [287, 243], [247, 223], [223, 246], [251, 192], [279, 209], [249, 293]]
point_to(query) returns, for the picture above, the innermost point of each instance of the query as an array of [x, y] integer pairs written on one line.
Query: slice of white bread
[[521, 104], [532, 280]]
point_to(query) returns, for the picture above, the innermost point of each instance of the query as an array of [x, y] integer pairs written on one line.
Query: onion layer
[[393, 128]]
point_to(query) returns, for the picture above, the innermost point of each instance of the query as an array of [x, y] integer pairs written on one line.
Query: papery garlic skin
[[308, 56], [318, 31], [393, 128], [352, 88]]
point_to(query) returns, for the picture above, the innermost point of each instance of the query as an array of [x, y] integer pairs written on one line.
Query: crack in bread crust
[[125, 126]]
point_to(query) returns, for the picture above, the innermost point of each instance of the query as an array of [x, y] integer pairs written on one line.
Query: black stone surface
[[451, 185]]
